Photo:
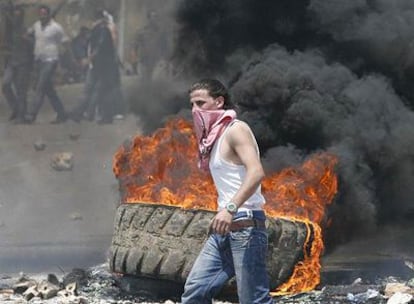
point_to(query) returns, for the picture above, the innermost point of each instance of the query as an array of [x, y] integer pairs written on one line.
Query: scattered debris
[[74, 135], [39, 145], [99, 286], [6, 291], [62, 161], [400, 298], [363, 297], [75, 216], [409, 264], [392, 288]]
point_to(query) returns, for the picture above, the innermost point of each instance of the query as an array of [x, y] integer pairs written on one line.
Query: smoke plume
[[318, 76]]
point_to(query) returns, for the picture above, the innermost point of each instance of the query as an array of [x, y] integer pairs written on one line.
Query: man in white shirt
[[48, 37], [237, 244]]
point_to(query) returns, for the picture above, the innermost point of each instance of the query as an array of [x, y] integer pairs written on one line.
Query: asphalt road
[[56, 220]]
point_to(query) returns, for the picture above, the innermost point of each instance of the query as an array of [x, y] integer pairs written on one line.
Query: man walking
[[48, 37], [18, 63], [237, 245], [102, 76]]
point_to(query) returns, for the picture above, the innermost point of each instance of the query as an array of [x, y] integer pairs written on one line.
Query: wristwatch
[[231, 207]]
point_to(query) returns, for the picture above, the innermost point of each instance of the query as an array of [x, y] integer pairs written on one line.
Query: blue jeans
[[98, 93], [241, 253], [45, 87]]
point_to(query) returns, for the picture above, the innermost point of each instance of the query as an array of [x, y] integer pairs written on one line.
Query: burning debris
[[161, 170], [319, 75], [161, 242], [302, 100]]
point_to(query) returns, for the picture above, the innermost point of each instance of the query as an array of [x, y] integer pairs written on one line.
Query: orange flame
[[163, 168]]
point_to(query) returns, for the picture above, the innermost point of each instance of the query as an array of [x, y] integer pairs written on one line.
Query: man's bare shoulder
[[239, 125], [238, 130]]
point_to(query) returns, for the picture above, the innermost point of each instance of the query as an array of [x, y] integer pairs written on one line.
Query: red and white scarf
[[208, 125]]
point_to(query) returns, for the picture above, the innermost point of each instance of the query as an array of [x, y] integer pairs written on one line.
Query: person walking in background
[[150, 45], [237, 243], [18, 63], [102, 75], [119, 105], [48, 37]]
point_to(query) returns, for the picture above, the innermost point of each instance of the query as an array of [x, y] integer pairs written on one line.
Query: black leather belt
[[240, 224]]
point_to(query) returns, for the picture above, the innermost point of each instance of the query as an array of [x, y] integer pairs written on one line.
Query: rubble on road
[[62, 161], [74, 135], [99, 286], [39, 145], [94, 286]]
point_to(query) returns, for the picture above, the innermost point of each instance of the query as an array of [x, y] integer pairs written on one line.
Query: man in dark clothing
[[102, 75], [18, 63], [73, 60], [79, 46]]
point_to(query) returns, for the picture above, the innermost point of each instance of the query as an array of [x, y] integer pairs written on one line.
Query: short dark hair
[[44, 7], [215, 88]]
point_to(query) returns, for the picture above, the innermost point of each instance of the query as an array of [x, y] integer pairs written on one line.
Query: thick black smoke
[[212, 30], [365, 35], [300, 101], [318, 75], [371, 35]]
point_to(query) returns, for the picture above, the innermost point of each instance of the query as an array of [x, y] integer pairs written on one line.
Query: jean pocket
[[250, 236]]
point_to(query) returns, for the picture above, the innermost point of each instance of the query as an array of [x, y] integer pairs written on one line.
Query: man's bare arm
[[241, 141]]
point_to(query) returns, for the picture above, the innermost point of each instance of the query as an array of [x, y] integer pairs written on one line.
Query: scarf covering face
[[208, 125]]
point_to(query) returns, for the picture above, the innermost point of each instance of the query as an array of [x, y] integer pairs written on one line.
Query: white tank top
[[228, 178]]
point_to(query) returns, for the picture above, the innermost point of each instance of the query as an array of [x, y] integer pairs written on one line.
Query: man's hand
[[221, 222]]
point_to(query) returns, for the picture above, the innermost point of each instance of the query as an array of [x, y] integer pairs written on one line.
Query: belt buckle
[[249, 213]]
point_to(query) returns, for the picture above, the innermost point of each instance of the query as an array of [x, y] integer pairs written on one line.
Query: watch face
[[231, 207]]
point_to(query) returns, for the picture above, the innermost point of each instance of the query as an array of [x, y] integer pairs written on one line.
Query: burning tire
[[162, 242]]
